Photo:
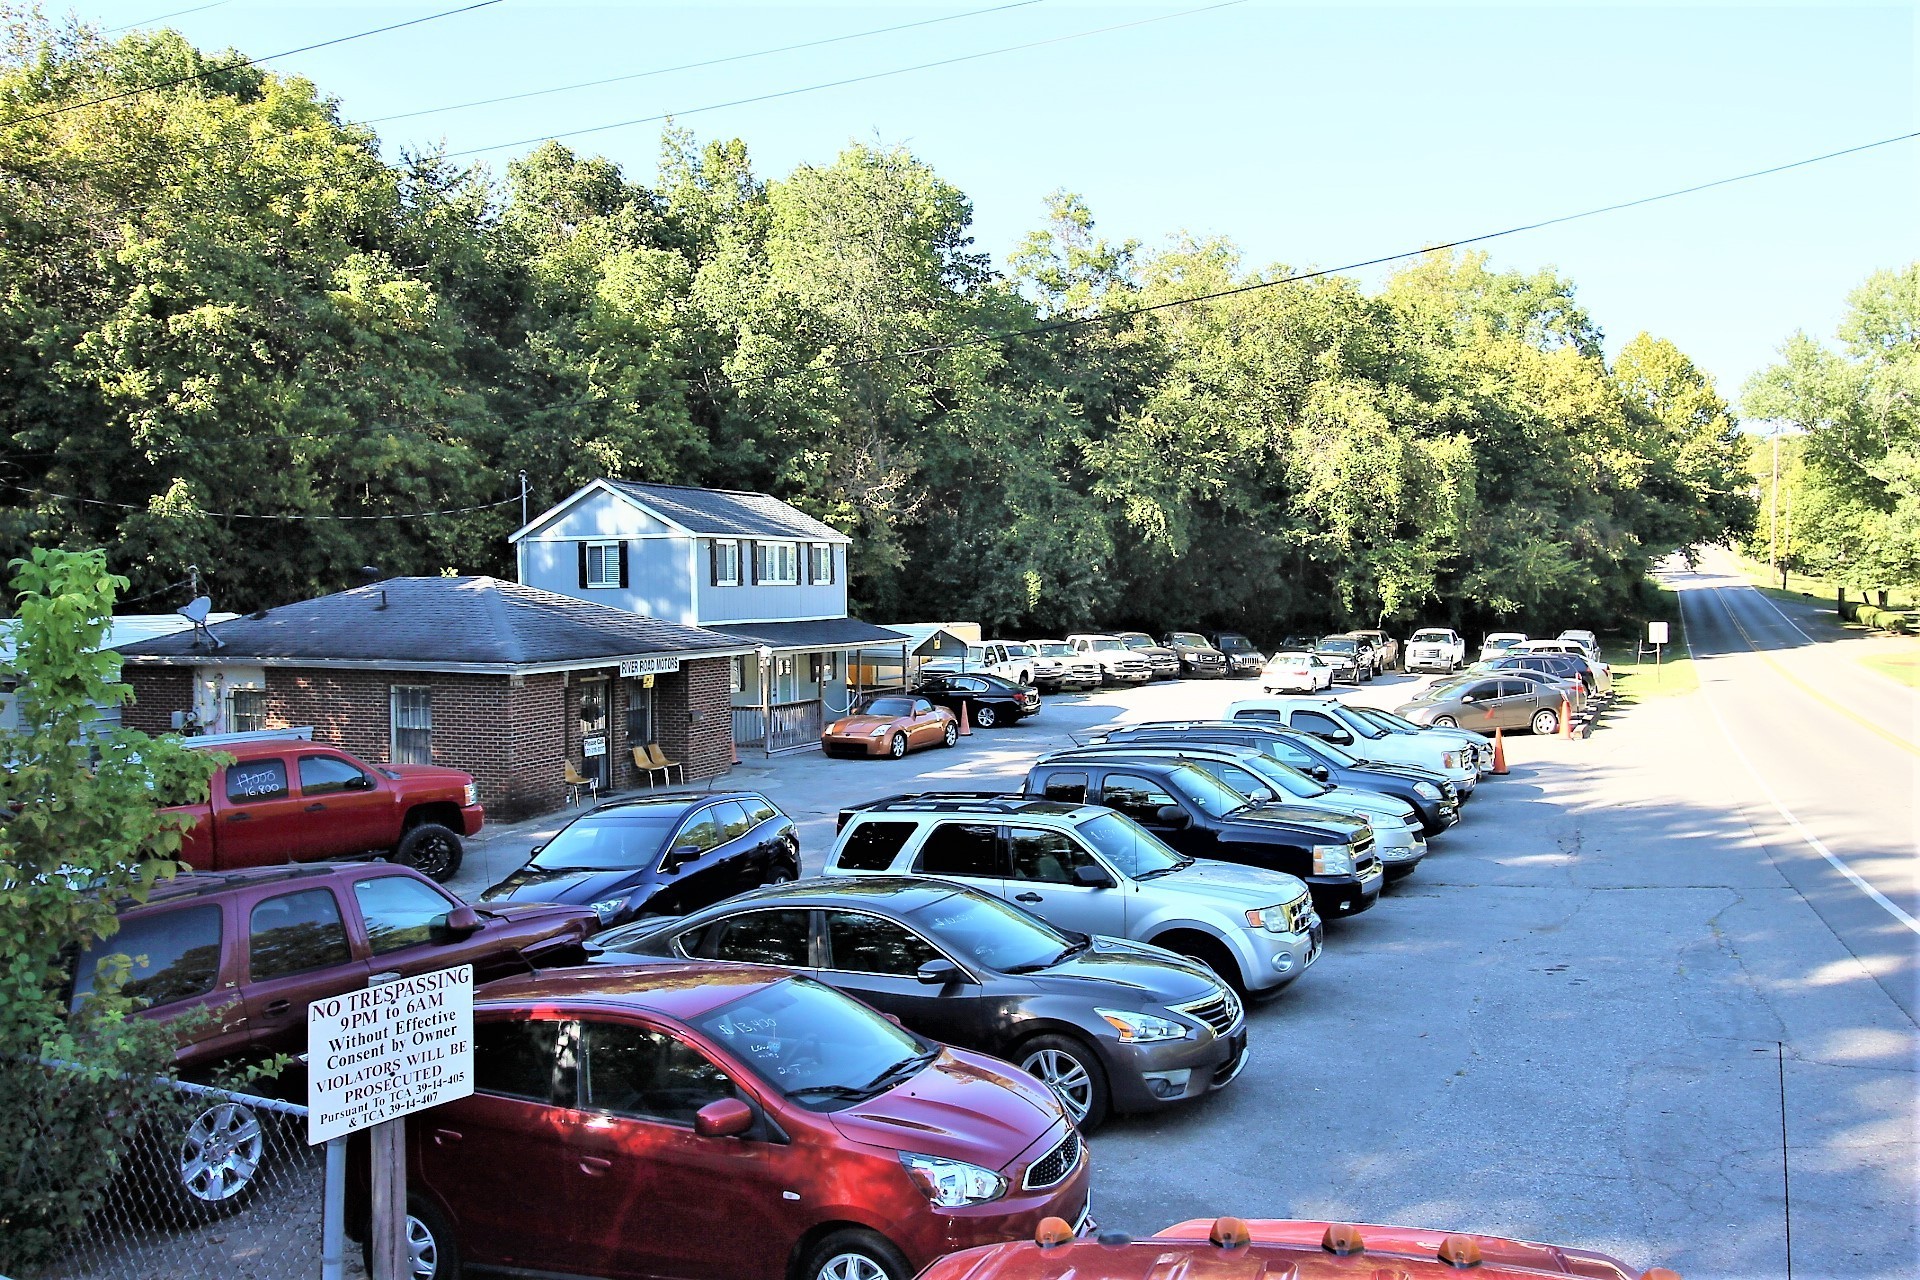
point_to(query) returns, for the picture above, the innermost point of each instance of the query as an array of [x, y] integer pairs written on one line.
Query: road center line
[[1892, 908]]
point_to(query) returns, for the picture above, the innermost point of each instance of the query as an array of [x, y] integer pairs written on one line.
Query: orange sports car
[[890, 724]]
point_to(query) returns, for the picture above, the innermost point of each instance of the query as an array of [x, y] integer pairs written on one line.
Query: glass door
[[593, 731]]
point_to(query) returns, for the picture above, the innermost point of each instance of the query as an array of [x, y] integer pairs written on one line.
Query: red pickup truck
[[288, 800]]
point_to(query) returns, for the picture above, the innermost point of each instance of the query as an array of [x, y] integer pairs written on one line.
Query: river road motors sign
[[392, 1049]]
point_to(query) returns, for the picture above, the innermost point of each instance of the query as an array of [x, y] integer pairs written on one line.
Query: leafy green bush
[[1849, 610], [83, 836], [1866, 615], [1898, 623]]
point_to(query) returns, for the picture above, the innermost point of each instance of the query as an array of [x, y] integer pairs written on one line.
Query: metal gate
[[792, 725]]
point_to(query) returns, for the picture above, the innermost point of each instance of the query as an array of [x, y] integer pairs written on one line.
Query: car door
[[1142, 799], [968, 853], [875, 959], [929, 726], [654, 1198], [501, 1159], [1320, 725], [694, 871], [403, 925], [179, 965], [343, 811], [256, 816], [741, 862], [1041, 877], [297, 952], [766, 935]]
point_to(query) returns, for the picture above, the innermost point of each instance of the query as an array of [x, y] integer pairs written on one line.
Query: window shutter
[[713, 562], [623, 565], [756, 561], [831, 567], [583, 565]]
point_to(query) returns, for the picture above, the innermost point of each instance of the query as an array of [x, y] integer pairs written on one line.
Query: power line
[[162, 17], [836, 84], [246, 515], [249, 62], [1124, 313], [693, 66]]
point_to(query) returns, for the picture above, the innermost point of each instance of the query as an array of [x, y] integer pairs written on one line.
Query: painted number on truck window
[[257, 780]]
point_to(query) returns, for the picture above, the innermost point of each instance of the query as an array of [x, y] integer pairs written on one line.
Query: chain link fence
[[223, 1185]]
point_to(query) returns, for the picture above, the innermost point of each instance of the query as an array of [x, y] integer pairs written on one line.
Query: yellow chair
[[578, 782], [666, 766], [644, 764]]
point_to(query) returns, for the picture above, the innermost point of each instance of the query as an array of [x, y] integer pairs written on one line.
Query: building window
[[726, 564], [639, 713], [603, 564], [412, 724], [820, 563], [246, 710], [820, 668], [737, 675], [776, 563]]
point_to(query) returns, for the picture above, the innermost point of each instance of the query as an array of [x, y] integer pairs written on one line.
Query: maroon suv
[[707, 1120]]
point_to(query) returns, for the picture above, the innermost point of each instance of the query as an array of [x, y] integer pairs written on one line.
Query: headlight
[[1143, 1028], [472, 793], [1451, 759], [1272, 919], [952, 1183], [880, 731], [1426, 791], [608, 908], [1332, 860]]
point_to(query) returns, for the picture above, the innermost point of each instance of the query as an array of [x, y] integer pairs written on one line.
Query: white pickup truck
[[1436, 649], [995, 657]]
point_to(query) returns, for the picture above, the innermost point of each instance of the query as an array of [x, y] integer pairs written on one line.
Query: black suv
[[1243, 656], [659, 856], [1433, 797], [1204, 818], [1197, 656], [989, 700]]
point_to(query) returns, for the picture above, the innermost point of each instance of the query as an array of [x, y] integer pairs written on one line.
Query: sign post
[[374, 1057]]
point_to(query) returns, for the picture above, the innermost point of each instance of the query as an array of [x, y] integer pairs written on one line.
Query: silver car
[[1089, 869]]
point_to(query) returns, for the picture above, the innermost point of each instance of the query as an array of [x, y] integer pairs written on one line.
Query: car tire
[[1072, 1070], [432, 850], [205, 1162], [898, 747], [854, 1254], [952, 736], [1546, 722], [1445, 722], [432, 1251], [984, 715]]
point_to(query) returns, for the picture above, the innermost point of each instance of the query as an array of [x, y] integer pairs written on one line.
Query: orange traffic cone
[[966, 730], [1499, 755], [736, 753], [1566, 718]]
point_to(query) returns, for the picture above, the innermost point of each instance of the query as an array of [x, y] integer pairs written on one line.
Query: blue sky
[[1311, 134]]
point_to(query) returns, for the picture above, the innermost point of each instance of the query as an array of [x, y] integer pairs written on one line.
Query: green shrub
[[1899, 623], [1866, 615], [1849, 611]]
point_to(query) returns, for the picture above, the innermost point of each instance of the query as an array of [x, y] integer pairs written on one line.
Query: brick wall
[[158, 692], [536, 745], [693, 720]]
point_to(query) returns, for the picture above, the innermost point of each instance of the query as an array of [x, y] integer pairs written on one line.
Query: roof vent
[[1343, 1238]]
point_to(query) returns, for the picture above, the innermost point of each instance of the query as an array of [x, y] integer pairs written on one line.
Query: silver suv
[[1089, 869]]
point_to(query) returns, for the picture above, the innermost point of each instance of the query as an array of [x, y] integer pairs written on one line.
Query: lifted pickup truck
[[286, 799]]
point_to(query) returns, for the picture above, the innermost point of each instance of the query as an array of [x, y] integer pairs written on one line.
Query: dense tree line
[[1845, 504], [217, 300]]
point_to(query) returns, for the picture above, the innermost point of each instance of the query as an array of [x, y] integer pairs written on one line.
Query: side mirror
[[1320, 773], [1339, 738], [940, 973], [1171, 815], [461, 922], [359, 782], [531, 853], [1091, 877], [680, 855], [726, 1118]]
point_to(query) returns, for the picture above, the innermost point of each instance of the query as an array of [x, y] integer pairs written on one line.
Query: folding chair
[[666, 766], [644, 763], [578, 782]]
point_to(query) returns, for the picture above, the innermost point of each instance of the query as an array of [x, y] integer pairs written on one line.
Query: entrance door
[[593, 731]]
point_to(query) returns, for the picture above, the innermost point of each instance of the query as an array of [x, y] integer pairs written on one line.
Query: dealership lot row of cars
[[832, 1061]]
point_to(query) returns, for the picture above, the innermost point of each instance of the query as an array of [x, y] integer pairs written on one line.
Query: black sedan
[[989, 700], [1109, 1025], [662, 855]]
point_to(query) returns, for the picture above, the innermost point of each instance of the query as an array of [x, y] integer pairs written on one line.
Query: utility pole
[[523, 499], [1773, 510]]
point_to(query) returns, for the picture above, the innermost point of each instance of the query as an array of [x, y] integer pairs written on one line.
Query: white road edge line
[[1777, 609], [1892, 908]]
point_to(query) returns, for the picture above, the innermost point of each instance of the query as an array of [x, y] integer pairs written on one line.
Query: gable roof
[[725, 513], [438, 624]]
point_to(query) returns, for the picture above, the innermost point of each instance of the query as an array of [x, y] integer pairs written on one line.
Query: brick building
[[508, 682]]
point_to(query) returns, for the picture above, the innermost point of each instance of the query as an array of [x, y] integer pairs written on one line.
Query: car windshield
[[1132, 850], [1020, 651], [1105, 646], [1208, 792], [1137, 641], [611, 841], [1359, 723], [1325, 750], [992, 933], [1188, 639], [819, 1048], [1388, 721], [1281, 778], [1232, 643], [1056, 649], [889, 707], [1341, 645], [1423, 637]]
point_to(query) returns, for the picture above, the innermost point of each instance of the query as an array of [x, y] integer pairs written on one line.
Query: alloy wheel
[[432, 856], [985, 716], [423, 1251], [851, 1266], [220, 1153], [1065, 1075]]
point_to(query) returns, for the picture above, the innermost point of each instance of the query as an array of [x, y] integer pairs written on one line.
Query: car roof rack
[[194, 884], [954, 802]]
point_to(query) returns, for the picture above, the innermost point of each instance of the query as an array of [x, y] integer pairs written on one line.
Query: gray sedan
[[1486, 703]]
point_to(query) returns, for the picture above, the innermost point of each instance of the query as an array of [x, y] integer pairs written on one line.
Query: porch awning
[[822, 633]]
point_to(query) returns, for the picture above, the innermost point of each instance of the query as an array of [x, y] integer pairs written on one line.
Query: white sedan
[[1296, 672]]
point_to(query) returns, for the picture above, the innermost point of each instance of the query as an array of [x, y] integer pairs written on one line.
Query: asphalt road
[[1573, 1022]]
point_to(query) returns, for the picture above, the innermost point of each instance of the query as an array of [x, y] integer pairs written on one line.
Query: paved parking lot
[[1563, 1027]]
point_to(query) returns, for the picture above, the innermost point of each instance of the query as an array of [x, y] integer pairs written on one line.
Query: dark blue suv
[[660, 855]]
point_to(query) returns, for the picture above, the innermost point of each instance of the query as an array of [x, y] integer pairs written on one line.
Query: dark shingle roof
[[826, 633], [728, 511], [451, 622]]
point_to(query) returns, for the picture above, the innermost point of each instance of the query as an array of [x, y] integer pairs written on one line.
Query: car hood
[[536, 884], [962, 1106], [1360, 800], [1237, 886], [1402, 772], [1291, 819], [557, 917], [1148, 974], [858, 724], [431, 774]]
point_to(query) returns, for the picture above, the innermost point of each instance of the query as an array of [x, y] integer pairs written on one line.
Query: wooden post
[[391, 1260]]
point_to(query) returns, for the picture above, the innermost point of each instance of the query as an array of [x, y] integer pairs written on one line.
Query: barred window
[[247, 710], [412, 724]]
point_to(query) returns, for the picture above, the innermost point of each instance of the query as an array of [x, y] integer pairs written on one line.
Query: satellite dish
[[196, 610]]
